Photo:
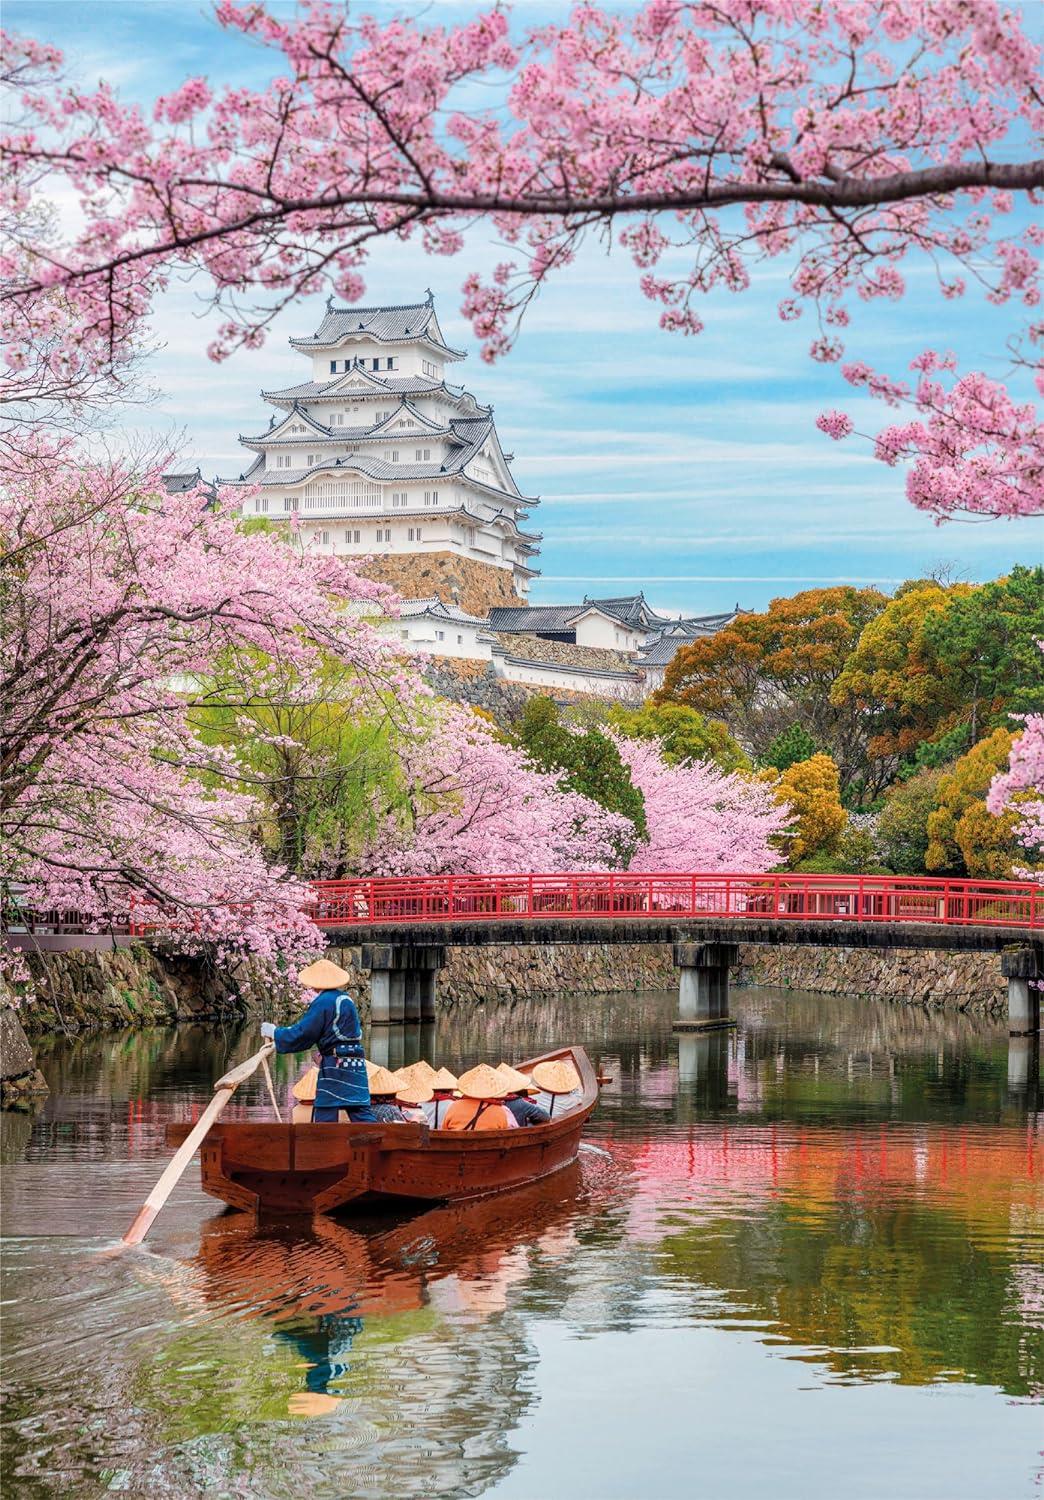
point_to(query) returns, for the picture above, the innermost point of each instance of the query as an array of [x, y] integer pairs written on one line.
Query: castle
[[380, 457]]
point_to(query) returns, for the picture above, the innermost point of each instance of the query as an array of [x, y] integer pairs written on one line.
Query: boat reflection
[[321, 1285]]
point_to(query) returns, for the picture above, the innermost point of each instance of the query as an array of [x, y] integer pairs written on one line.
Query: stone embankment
[[134, 986], [138, 986], [964, 981]]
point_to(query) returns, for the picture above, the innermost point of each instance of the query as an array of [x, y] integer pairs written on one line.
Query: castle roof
[[411, 609], [335, 389], [406, 322]]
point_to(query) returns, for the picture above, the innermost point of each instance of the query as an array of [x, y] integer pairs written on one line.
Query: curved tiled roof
[[396, 324], [405, 385]]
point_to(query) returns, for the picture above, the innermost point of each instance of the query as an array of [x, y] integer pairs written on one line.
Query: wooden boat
[[317, 1169]]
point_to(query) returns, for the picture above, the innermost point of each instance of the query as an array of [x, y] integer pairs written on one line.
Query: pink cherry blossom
[[851, 143]]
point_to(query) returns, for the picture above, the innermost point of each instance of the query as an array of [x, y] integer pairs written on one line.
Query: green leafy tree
[[324, 768], [894, 675], [903, 823], [987, 642], [788, 748], [591, 763], [683, 734]]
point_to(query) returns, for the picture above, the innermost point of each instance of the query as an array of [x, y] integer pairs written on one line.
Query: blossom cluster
[[845, 141]]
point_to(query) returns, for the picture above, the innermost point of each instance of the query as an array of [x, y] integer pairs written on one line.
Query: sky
[[690, 468]]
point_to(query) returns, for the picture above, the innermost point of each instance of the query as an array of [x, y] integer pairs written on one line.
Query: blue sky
[[690, 467]]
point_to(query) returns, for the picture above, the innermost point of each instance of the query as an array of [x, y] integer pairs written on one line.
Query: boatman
[[330, 1024]]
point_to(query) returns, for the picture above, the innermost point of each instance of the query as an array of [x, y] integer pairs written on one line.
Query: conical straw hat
[[418, 1072], [482, 1082], [444, 1082], [382, 1081], [323, 975], [558, 1077], [518, 1083], [412, 1092], [305, 1087]]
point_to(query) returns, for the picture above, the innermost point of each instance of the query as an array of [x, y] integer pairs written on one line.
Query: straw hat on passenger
[[558, 1077], [482, 1082], [305, 1087], [518, 1083], [323, 975], [410, 1091], [445, 1082], [381, 1080], [418, 1072]]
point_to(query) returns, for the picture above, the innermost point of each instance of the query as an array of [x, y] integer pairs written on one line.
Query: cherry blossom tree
[[1020, 789], [850, 142], [701, 818], [124, 609], [477, 806]]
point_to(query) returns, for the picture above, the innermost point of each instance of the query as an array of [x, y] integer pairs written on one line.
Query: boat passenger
[[411, 1097], [383, 1085], [479, 1107], [560, 1086], [444, 1088], [331, 1024], [519, 1103]]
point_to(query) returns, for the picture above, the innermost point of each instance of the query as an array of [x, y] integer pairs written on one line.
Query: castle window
[[395, 456], [391, 364], [422, 454], [460, 640], [262, 505], [333, 367], [440, 635], [290, 502], [471, 536], [324, 538], [376, 364]]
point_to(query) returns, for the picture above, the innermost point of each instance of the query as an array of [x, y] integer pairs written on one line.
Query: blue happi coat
[[331, 1025]]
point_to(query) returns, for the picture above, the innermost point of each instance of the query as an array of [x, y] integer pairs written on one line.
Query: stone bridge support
[[703, 984], [402, 981], [1024, 970]]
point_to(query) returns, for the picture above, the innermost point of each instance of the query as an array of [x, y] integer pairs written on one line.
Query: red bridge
[[403, 927], [783, 897]]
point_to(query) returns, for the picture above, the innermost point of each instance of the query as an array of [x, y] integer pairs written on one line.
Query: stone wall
[[135, 986], [475, 586], [912, 976]]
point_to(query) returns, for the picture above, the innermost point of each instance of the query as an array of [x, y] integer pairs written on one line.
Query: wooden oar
[[223, 1091]]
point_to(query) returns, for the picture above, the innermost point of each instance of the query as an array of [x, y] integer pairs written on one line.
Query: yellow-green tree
[[963, 836], [812, 790], [894, 673]]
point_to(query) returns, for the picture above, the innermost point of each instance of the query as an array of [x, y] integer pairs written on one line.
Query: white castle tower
[[379, 455]]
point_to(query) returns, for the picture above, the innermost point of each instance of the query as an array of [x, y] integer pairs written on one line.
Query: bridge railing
[[842, 898]]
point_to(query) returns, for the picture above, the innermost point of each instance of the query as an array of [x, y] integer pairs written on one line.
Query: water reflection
[[854, 1190]]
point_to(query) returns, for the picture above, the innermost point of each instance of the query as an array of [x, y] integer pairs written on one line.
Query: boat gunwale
[[411, 1136]]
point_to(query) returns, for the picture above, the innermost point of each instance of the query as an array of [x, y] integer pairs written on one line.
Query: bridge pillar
[[402, 981], [703, 984], [397, 997], [412, 996], [1024, 971]]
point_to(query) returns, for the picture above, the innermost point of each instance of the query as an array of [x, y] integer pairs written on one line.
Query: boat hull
[[310, 1168]]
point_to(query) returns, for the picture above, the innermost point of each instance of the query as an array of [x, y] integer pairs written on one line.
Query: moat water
[[806, 1259]]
